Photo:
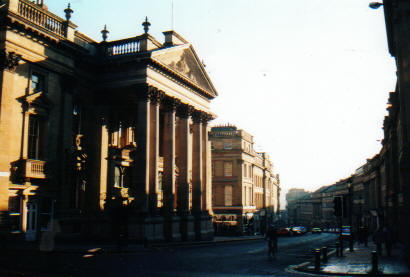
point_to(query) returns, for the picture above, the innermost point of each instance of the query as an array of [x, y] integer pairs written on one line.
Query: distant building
[[245, 188]]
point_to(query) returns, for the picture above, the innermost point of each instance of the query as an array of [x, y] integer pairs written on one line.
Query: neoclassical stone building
[[108, 137]]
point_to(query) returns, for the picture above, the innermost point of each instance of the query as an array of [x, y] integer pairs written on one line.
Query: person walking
[[365, 235], [272, 238], [378, 239], [388, 240]]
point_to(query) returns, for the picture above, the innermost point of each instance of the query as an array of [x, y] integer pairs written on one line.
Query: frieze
[[9, 60]]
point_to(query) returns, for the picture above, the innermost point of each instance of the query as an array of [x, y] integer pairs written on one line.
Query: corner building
[[245, 189], [106, 137]]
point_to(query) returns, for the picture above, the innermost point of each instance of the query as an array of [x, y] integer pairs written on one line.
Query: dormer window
[[37, 82]]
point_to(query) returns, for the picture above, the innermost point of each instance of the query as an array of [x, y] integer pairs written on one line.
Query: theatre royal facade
[[103, 137]]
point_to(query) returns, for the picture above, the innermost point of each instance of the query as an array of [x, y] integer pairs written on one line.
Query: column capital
[[185, 110], [155, 95], [170, 103], [201, 117]]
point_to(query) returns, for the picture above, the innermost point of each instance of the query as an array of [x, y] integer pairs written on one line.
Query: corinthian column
[[142, 163], [182, 161], [154, 150], [197, 163], [170, 105]]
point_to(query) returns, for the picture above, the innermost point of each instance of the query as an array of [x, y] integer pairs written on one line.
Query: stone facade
[[246, 189], [110, 138]]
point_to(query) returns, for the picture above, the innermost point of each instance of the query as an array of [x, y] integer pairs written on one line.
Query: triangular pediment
[[183, 60]]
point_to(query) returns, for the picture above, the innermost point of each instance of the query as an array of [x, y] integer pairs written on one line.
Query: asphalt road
[[244, 258]]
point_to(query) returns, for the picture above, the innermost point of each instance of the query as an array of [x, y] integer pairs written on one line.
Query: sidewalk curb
[[302, 268]]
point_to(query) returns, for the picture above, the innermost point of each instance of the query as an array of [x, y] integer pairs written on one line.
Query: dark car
[[283, 232]]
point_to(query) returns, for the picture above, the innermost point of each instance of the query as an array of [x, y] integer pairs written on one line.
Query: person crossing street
[[272, 238]]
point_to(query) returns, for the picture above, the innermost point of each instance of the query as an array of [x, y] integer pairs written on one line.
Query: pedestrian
[[378, 239], [388, 240], [272, 238], [365, 235]]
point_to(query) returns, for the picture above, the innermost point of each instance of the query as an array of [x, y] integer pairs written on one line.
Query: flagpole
[[172, 14]]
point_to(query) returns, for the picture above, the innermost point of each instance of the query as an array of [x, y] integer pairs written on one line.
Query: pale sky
[[308, 79]]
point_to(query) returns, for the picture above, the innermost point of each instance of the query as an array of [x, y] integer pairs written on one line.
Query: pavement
[[359, 263]]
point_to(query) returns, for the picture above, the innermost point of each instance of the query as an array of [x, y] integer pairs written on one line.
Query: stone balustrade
[[41, 17], [122, 47], [34, 169]]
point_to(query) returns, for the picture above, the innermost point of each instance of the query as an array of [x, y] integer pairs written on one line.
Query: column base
[[172, 228], [187, 227], [203, 227], [154, 228]]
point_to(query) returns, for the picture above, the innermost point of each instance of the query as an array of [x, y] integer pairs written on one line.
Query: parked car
[[284, 232], [316, 231]]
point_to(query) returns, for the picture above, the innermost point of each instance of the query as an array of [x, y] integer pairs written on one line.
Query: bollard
[[324, 253], [317, 260], [351, 244], [375, 262], [341, 248], [337, 249]]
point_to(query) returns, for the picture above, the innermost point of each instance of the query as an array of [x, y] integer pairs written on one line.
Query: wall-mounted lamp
[[375, 5]]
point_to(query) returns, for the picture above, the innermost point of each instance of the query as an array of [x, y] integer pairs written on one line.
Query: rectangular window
[[218, 168], [228, 169], [34, 137], [37, 82], [228, 195]]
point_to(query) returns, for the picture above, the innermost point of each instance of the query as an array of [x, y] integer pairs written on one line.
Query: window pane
[[228, 195], [34, 138]]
